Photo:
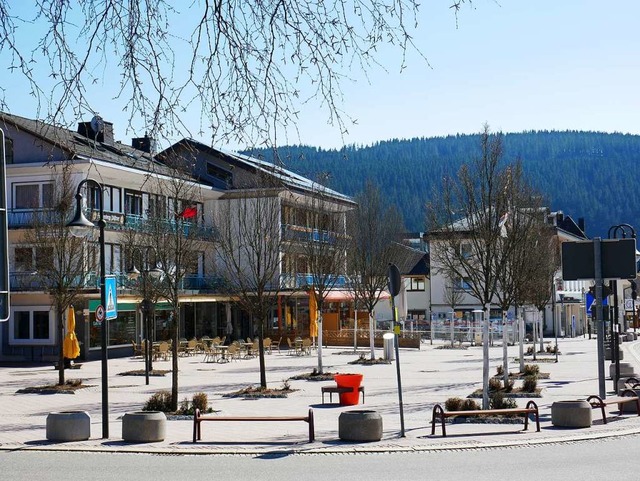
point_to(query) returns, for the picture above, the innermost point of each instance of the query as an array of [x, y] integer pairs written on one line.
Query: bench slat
[[198, 418], [439, 414]]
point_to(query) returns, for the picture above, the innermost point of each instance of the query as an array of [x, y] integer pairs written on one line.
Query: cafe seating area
[[216, 350]]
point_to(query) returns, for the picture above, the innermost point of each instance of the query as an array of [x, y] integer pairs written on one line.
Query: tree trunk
[[320, 368], [372, 333], [485, 357], [505, 355], [263, 369], [61, 351], [174, 361]]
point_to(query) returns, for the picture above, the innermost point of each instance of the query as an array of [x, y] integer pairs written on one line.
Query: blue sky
[[514, 64]]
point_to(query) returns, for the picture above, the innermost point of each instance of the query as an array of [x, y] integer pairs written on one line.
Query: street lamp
[[145, 307], [81, 227]]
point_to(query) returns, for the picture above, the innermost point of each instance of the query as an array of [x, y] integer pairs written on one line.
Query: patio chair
[[137, 350], [163, 351], [276, 345], [293, 348], [306, 346]]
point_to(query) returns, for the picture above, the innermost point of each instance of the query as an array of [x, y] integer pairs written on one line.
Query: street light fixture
[[145, 306], [80, 227]]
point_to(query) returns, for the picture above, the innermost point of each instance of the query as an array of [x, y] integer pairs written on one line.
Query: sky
[[513, 64]]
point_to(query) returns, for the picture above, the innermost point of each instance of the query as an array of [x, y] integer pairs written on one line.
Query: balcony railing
[[20, 219], [305, 234], [299, 281], [32, 281]]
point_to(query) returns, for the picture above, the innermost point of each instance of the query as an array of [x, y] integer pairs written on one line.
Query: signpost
[[394, 289], [4, 237], [600, 259]]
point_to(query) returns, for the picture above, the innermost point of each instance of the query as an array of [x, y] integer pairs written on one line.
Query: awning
[[343, 295]]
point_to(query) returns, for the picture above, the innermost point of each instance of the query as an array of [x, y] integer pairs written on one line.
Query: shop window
[[31, 326]]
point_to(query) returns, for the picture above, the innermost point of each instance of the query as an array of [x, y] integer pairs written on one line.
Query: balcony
[[33, 282], [300, 281], [296, 233], [24, 219]]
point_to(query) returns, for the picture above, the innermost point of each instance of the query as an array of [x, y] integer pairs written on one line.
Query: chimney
[[142, 143], [106, 136], [560, 216]]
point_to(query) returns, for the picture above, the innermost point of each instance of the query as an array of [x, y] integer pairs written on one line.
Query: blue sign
[[111, 297], [590, 300]]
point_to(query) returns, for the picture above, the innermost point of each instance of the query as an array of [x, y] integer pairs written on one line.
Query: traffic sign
[[111, 297], [99, 314]]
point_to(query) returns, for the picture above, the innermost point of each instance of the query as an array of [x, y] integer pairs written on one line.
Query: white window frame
[[50, 341], [40, 185]]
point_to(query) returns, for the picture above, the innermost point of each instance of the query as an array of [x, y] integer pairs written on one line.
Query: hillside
[[585, 174]]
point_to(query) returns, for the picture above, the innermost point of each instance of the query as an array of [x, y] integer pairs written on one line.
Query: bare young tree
[[249, 247], [61, 260], [373, 227], [177, 242], [323, 246], [521, 228], [465, 228], [243, 68], [453, 296]]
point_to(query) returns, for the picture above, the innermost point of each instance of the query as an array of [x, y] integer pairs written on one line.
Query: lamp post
[[80, 227], [145, 307]]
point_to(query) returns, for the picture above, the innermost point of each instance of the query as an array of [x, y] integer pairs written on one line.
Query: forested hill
[[585, 174]]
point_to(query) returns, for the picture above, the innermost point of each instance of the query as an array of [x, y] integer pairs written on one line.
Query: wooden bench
[[626, 396], [339, 390], [198, 418], [439, 414]]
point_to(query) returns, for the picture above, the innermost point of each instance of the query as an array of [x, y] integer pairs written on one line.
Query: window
[[30, 259], [132, 202], [157, 206], [111, 198], [466, 250], [32, 196], [462, 284], [217, 173], [416, 283], [31, 325], [23, 259]]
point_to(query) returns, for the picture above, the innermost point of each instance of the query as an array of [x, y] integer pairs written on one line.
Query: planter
[[350, 381], [68, 426], [571, 414], [626, 370], [360, 426], [144, 426]]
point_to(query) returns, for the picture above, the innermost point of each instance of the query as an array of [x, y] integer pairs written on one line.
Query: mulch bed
[[141, 372], [69, 387], [370, 362], [516, 393], [314, 376], [257, 392]]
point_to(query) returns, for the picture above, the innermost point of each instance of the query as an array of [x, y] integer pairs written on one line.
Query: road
[[584, 461]]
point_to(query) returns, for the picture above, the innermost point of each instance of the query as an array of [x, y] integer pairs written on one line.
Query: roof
[[78, 146], [287, 177]]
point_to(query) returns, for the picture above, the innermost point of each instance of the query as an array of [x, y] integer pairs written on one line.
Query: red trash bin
[[352, 381]]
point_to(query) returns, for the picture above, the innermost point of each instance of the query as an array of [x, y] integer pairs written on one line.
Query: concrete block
[[360, 426], [68, 426], [571, 414], [144, 426]]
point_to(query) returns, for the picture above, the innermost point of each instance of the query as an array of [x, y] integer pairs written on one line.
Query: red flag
[[189, 212]]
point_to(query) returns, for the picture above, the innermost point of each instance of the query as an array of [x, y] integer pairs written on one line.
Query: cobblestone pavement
[[429, 375]]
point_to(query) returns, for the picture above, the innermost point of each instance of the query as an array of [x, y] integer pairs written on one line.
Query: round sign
[[99, 313]]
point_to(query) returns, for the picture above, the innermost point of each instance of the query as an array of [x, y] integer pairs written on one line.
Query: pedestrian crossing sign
[[111, 297]]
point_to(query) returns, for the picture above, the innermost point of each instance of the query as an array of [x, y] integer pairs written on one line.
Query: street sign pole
[[599, 316], [394, 288]]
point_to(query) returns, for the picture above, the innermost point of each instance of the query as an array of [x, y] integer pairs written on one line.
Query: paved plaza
[[429, 375]]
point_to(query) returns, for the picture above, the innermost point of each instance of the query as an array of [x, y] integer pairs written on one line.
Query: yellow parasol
[[313, 315], [70, 347]]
